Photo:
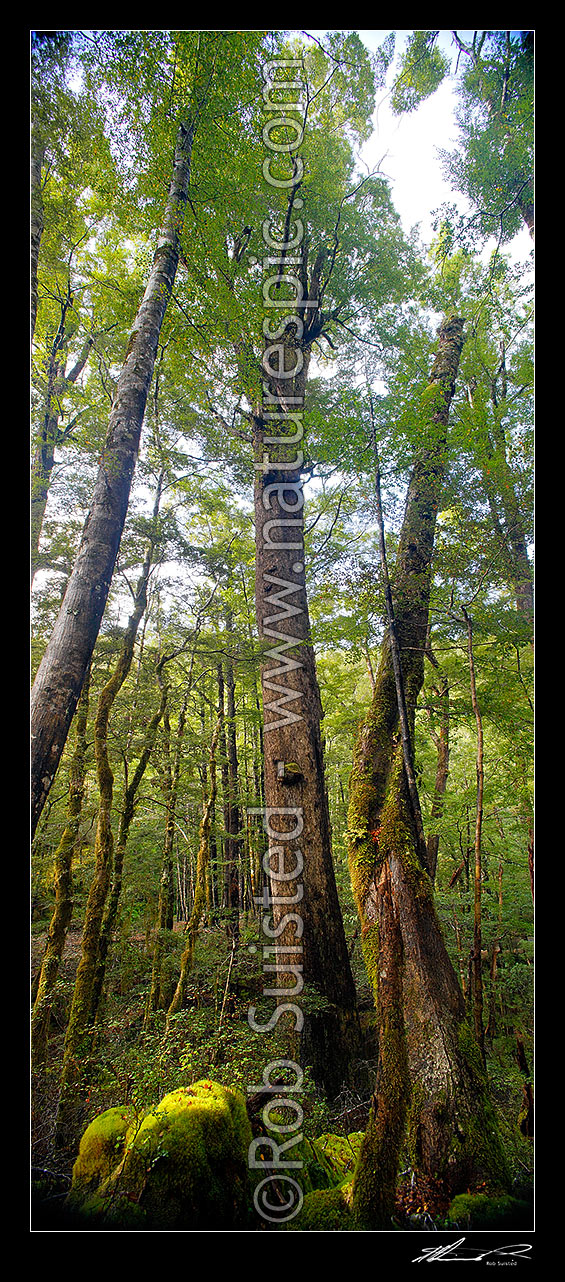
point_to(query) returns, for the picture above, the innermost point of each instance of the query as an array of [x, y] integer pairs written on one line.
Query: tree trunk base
[[335, 1048]]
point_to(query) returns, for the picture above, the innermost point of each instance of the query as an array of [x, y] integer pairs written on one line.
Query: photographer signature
[[458, 1251]]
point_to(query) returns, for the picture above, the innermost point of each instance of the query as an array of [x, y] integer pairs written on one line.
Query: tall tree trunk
[[62, 913], [172, 781], [396, 661], [159, 991], [294, 774], [81, 1005], [211, 879], [295, 789], [37, 151], [126, 820], [234, 839], [258, 767], [224, 775], [61, 673], [441, 741], [430, 1088], [476, 963], [199, 902]]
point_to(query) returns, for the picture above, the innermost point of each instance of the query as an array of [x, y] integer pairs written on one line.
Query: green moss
[[324, 1211], [341, 1150], [328, 1160], [483, 1134], [183, 1168], [432, 400], [101, 1149], [370, 945], [376, 1172], [479, 1211], [471, 1153]]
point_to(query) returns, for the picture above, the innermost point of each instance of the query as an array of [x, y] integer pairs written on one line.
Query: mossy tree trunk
[[258, 754], [160, 988], [37, 215], [431, 1090], [126, 819], [214, 887], [329, 1038], [62, 913], [476, 973], [441, 741], [496, 946], [294, 771], [199, 901], [76, 1037], [224, 776], [234, 839]]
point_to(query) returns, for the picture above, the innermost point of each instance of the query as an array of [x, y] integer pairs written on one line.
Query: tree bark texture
[[476, 962], [81, 1005], [431, 1090], [199, 901], [224, 775], [61, 673], [234, 839], [62, 913], [441, 741], [294, 774], [37, 151], [160, 988], [395, 658], [126, 820]]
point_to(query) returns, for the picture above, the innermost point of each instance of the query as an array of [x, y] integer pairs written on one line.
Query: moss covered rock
[[324, 1211], [101, 1149], [183, 1165], [480, 1211]]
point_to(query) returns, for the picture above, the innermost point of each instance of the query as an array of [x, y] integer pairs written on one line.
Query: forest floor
[[129, 1063]]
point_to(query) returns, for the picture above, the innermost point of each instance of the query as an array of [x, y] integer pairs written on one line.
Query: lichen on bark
[[431, 1093]]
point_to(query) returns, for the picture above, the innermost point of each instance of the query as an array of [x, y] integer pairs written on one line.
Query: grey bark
[[61, 673], [294, 772], [36, 216]]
